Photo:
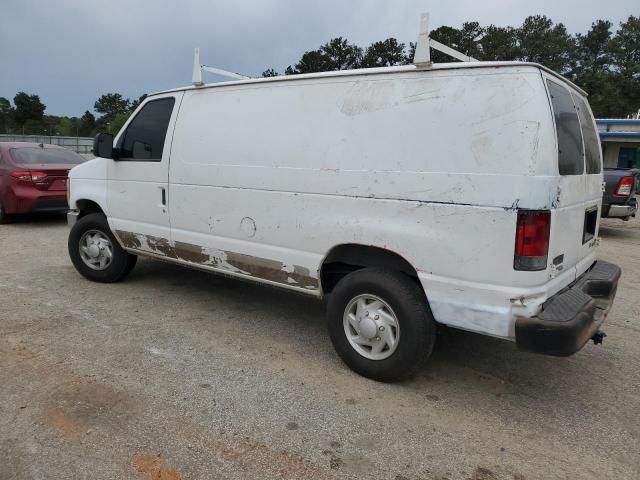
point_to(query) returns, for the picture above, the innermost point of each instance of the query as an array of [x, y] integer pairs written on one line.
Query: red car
[[33, 178]]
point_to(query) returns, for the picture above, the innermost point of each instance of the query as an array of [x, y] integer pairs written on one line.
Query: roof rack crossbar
[[425, 44], [198, 68]]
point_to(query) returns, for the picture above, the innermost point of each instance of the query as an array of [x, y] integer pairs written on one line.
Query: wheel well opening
[[87, 206], [348, 258]]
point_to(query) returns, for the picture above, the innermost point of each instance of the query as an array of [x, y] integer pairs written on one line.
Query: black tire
[[122, 262], [408, 302]]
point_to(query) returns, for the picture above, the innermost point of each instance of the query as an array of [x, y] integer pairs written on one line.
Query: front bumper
[[72, 217], [571, 317], [628, 209]]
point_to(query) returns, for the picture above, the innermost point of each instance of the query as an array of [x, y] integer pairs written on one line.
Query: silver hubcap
[[96, 250], [371, 327]]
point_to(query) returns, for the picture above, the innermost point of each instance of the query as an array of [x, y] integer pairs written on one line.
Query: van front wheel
[[96, 253], [380, 324]]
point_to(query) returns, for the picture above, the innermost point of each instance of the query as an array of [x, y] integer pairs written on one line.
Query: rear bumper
[[26, 200], [628, 209], [50, 205], [571, 317]]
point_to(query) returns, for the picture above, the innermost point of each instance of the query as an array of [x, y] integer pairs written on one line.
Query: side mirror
[[103, 145]]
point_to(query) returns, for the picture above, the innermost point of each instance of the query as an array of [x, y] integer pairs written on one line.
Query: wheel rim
[[96, 250], [371, 327]]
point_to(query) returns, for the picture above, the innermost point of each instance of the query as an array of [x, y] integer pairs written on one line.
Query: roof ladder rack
[[198, 68], [425, 44]]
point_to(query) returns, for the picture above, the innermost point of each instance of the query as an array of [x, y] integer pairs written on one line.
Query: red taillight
[[625, 185], [29, 176], [532, 240], [22, 176]]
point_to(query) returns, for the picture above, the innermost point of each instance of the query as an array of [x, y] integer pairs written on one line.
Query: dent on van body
[[232, 262]]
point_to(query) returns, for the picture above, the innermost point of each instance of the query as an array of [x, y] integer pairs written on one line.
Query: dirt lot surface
[[177, 374]]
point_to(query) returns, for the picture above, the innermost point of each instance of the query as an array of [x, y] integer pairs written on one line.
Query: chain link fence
[[82, 145]]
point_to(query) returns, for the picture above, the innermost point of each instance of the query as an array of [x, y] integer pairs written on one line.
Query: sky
[[69, 52]]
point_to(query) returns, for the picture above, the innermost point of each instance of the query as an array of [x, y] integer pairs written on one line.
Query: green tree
[[541, 41], [384, 54], [341, 55], [51, 124], [119, 122], [337, 54], [34, 127], [625, 53], [465, 40], [499, 44], [6, 114], [110, 105], [594, 72], [312, 61], [87, 124], [136, 103], [625, 47], [270, 72], [592, 49], [606, 94], [67, 126], [28, 108]]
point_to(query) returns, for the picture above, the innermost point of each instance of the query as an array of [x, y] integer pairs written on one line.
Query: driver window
[[144, 138]]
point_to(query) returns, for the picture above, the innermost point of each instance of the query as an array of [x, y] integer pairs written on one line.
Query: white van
[[463, 194]]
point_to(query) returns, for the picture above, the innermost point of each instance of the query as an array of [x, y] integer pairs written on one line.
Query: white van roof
[[374, 71]]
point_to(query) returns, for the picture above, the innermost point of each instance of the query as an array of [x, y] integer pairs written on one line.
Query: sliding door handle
[[163, 192]]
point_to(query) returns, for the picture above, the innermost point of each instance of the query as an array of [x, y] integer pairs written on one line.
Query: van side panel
[[265, 179], [426, 136]]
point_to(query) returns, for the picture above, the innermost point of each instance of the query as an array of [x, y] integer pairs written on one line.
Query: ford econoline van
[[463, 194]]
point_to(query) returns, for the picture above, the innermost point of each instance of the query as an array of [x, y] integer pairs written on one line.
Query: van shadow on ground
[[613, 232], [462, 362]]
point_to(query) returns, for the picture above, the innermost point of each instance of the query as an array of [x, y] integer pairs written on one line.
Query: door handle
[[163, 192]]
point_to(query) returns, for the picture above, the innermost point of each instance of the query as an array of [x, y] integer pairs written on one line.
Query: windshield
[[51, 156]]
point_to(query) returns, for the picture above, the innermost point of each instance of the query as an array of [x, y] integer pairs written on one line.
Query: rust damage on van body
[[249, 265]]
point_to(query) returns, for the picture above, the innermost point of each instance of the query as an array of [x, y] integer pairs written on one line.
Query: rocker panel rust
[[247, 265]]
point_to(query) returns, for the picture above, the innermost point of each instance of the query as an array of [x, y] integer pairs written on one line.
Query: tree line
[[26, 116], [604, 61]]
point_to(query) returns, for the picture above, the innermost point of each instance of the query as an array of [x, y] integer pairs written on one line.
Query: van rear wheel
[[96, 253], [380, 324]]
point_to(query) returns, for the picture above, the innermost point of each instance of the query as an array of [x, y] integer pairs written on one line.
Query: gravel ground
[[178, 374]]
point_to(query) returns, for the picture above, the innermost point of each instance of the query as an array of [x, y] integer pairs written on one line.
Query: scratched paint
[[249, 265]]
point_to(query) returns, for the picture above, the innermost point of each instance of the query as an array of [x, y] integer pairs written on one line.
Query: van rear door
[[576, 209]]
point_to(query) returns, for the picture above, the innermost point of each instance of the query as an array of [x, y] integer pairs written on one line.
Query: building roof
[[618, 129]]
